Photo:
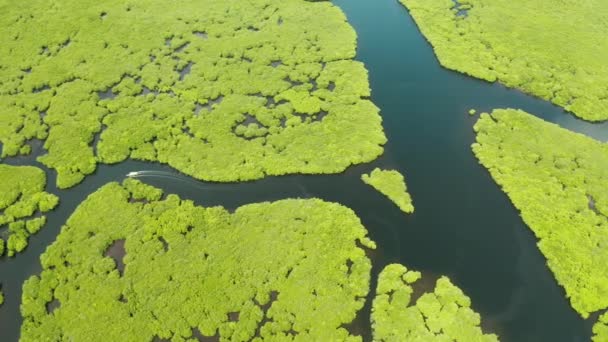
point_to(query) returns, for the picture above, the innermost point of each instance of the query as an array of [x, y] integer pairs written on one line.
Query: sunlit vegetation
[[600, 329], [220, 90], [553, 50], [391, 184], [22, 203], [130, 265], [441, 315], [559, 182]]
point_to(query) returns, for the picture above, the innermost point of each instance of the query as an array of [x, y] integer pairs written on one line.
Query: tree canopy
[[555, 50], [441, 315], [132, 265], [220, 90], [390, 183], [22, 203], [558, 180], [600, 329]]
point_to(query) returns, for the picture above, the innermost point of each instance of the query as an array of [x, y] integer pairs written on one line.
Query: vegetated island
[[220, 90], [558, 180], [441, 315], [390, 183], [23, 202], [600, 329], [132, 265], [525, 44]]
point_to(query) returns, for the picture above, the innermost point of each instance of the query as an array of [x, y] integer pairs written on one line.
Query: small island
[[390, 183]]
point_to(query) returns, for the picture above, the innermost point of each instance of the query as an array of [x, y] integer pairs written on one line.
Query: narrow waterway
[[463, 227]]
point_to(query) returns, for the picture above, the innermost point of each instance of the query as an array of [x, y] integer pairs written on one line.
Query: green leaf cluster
[[100, 85], [390, 183], [554, 50], [441, 315], [282, 271], [22, 203], [600, 329], [558, 180]]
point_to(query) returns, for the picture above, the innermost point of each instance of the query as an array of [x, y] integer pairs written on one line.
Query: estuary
[[463, 226]]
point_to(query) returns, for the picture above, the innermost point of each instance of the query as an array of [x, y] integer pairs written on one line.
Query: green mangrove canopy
[[130, 265], [390, 183], [600, 329], [220, 90], [555, 50], [442, 315], [22, 203], [559, 181]]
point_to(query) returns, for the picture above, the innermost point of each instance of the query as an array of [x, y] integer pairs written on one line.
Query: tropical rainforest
[[236, 94], [390, 183], [557, 53]]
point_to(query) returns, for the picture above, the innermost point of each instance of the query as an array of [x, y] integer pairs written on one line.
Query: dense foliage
[[555, 50], [292, 269], [22, 203], [391, 184], [559, 181], [441, 315], [221, 90], [600, 329]]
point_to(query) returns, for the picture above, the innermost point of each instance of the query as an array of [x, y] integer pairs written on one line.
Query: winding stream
[[463, 227]]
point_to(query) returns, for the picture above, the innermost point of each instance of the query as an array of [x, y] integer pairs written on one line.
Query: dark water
[[463, 227]]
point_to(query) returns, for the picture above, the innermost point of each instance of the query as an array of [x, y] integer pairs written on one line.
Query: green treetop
[[391, 184], [600, 329], [441, 315], [525, 44], [22, 201], [130, 265], [220, 90]]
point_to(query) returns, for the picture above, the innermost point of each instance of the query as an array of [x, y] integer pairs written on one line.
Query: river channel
[[463, 227]]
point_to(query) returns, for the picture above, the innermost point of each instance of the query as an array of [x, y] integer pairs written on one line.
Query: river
[[463, 227]]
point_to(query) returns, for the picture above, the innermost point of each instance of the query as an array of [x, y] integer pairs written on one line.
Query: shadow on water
[[464, 226]]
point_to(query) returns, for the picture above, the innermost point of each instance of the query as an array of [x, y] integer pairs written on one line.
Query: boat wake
[[166, 175]]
